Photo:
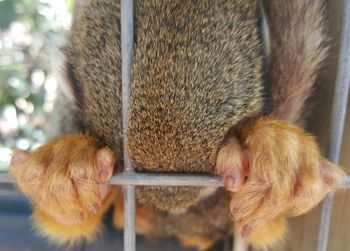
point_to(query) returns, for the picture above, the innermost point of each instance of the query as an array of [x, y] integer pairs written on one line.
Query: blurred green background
[[27, 88]]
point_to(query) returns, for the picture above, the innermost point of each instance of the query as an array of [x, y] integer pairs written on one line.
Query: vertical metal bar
[[129, 219], [127, 37], [338, 121], [239, 243], [127, 41]]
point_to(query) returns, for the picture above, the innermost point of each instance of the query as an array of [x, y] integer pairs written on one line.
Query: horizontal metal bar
[[166, 179], [153, 179], [162, 179]]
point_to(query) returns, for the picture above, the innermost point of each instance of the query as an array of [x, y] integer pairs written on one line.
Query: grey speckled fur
[[192, 81]]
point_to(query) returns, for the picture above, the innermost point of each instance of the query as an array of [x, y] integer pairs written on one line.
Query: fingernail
[[234, 210], [104, 189], [107, 156], [104, 175], [229, 182], [329, 180], [233, 207], [246, 231]]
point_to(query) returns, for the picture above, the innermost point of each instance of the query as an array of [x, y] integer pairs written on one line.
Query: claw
[[104, 189], [233, 179], [246, 231], [106, 160], [233, 165]]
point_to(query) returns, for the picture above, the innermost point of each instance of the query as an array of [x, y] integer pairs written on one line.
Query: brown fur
[[171, 66], [298, 49], [197, 75], [94, 62]]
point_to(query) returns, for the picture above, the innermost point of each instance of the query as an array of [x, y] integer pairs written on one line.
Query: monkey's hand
[[65, 180], [275, 171]]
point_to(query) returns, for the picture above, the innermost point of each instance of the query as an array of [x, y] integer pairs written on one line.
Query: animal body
[[212, 93]]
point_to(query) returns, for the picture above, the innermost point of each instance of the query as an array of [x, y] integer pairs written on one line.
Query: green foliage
[[7, 13], [69, 4]]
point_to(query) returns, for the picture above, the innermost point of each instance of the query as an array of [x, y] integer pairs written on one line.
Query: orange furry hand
[[279, 172], [64, 178]]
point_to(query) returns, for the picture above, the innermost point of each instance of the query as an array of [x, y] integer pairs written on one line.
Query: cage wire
[[339, 108], [129, 179]]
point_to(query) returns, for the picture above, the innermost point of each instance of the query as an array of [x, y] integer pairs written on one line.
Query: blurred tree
[[7, 13], [27, 89]]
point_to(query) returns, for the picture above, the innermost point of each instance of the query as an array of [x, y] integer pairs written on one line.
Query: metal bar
[[164, 179], [239, 243], [161, 179], [129, 218], [127, 41], [338, 121], [127, 37]]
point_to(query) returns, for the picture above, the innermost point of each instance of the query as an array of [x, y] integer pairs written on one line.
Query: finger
[[247, 200], [246, 230], [233, 179], [263, 216], [106, 160], [307, 197], [333, 176], [104, 190], [88, 191], [232, 163]]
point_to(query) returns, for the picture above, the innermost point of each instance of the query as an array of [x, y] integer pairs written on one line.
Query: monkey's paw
[[66, 177], [275, 171]]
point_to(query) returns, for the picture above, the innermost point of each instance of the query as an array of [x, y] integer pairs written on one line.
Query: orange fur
[[143, 215], [118, 214], [270, 234], [197, 241], [63, 180], [88, 229], [287, 176]]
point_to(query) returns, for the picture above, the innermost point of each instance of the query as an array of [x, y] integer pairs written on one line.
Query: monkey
[[218, 87]]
